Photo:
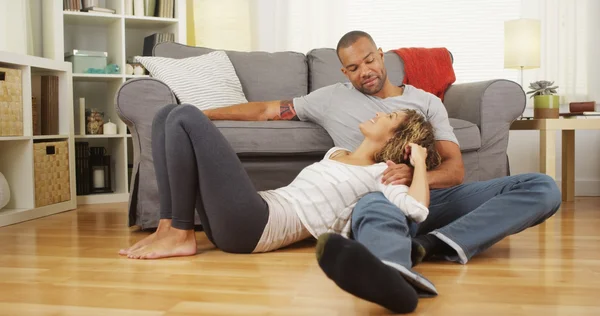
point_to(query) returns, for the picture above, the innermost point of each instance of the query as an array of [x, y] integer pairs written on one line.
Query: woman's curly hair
[[414, 129]]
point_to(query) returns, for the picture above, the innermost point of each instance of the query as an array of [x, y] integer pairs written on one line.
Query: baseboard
[[585, 187]]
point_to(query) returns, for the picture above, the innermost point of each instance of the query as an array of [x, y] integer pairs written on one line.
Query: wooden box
[[11, 102], [51, 172]]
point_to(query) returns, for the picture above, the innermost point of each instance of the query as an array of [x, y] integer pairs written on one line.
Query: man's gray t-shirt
[[340, 108]]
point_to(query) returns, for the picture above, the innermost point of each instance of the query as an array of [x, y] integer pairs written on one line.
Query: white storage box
[[85, 59]]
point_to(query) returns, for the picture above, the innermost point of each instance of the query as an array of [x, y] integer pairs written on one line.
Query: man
[[464, 219]]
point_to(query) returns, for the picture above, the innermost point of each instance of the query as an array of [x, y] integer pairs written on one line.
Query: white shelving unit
[[17, 153], [121, 36]]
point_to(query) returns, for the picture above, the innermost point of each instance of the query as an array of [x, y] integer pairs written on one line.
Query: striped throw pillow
[[208, 81]]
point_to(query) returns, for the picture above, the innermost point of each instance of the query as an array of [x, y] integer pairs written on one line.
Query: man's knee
[[370, 201], [545, 186], [552, 197]]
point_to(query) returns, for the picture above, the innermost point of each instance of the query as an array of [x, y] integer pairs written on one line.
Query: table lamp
[[522, 44]]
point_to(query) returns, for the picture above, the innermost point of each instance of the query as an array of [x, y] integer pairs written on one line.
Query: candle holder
[[94, 121], [100, 173]]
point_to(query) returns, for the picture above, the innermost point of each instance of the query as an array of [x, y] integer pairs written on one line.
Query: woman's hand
[[417, 153], [419, 188], [401, 173]]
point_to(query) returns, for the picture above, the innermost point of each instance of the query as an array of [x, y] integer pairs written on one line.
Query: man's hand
[[397, 174]]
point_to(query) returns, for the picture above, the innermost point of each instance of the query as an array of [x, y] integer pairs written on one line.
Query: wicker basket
[[51, 170], [11, 102]]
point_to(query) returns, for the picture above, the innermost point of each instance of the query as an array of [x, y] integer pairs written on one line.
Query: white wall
[[21, 25], [223, 24], [35, 8], [13, 34], [523, 147]]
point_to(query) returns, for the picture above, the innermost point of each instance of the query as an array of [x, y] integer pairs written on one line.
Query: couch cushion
[[264, 76], [325, 68], [275, 137], [467, 133], [207, 82]]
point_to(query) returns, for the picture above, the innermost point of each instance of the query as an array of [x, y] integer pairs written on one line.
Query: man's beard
[[374, 89]]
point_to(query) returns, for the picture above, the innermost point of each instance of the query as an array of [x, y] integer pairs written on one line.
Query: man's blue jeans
[[470, 218]]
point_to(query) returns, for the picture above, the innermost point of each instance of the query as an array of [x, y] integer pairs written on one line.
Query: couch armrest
[[492, 105], [136, 103], [138, 100]]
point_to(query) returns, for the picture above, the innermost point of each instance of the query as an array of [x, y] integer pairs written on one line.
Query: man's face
[[363, 64]]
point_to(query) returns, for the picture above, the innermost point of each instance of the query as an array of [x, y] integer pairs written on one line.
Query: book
[[49, 105], [164, 8], [99, 10], [152, 40]]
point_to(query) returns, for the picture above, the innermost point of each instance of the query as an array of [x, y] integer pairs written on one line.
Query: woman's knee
[[162, 114], [185, 113]]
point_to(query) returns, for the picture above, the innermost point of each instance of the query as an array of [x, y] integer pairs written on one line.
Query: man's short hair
[[350, 38]]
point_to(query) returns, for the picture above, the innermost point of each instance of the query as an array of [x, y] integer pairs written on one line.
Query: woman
[[197, 168]]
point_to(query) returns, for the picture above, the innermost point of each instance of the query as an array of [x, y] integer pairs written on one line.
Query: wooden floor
[[67, 264]]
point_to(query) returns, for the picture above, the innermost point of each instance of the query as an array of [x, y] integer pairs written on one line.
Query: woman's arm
[[419, 188], [410, 206], [414, 200]]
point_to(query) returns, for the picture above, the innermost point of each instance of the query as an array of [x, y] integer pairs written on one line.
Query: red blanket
[[429, 69]]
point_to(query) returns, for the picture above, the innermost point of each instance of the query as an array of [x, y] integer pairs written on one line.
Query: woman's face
[[381, 127]]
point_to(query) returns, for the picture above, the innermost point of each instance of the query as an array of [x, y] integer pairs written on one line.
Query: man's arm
[[449, 173], [255, 111]]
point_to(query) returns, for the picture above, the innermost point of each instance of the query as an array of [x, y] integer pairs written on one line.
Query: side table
[[548, 128]]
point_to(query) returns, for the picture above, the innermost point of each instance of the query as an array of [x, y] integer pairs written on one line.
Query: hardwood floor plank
[[67, 264], [51, 310]]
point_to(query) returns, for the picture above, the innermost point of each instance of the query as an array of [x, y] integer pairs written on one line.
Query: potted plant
[[545, 101]]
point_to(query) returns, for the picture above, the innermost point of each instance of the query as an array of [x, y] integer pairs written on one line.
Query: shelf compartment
[[134, 46], [99, 96], [64, 105], [16, 164], [115, 147], [101, 38]]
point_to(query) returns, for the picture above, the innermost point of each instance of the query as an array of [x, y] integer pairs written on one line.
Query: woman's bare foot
[[175, 243], [162, 229]]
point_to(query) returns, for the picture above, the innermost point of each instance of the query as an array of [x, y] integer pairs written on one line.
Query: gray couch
[[480, 113]]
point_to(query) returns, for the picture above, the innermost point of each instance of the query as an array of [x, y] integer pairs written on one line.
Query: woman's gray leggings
[[197, 167]]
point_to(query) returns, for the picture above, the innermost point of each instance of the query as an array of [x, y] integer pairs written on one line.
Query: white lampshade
[[522, 44]]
